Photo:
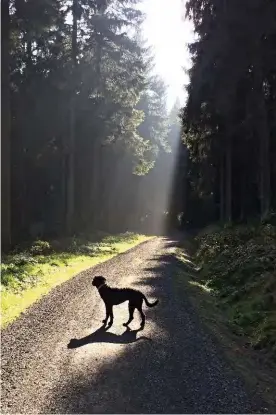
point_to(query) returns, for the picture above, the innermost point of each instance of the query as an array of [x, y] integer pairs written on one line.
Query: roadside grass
[[27, 275], [239, 266], [232, 284]]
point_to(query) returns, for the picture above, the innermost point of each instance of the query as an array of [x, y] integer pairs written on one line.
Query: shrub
[[40, 248]]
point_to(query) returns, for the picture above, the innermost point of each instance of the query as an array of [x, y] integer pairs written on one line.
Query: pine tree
[[5, 130]]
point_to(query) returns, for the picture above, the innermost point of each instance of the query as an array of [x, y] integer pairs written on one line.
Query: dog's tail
[[150, 304]]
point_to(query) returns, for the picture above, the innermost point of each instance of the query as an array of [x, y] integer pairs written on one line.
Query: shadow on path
[[103, 336]]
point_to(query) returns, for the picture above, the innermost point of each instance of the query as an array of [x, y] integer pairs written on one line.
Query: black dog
[[114, 296]]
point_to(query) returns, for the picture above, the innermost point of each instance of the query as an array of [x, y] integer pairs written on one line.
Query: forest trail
[[173, 366]]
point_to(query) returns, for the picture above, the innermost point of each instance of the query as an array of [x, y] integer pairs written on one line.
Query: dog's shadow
[[101, 335]]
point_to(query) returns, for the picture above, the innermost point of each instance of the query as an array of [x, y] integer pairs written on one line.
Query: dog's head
[[98, 281]]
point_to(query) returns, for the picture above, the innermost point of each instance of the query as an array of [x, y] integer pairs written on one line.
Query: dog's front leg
[[110, 311], [106, 314]]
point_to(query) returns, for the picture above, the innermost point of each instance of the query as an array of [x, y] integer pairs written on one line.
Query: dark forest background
[[88, 141], [86, 135], [230, 116]]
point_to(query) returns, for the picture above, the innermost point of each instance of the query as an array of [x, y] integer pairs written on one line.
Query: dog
[[113, 296]]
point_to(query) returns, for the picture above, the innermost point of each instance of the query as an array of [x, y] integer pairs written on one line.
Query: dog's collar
[[101, 286]]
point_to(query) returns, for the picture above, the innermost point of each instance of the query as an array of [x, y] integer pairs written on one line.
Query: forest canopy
[[229, 119], [86, 117]]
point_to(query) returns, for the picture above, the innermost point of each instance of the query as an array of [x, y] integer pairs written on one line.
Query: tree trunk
[[70, 193], [242, 195], [184, 180], [94, 187], [70, 205], [264, 140], [221, 189], [5, 129], [228, 180], [265, 166]]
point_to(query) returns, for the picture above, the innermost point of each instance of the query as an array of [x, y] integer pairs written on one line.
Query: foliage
[[229, 117], [78, 69], [40, 247], [238, 264]]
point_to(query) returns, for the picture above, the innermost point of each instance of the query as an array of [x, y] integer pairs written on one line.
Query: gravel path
[[173, 366]]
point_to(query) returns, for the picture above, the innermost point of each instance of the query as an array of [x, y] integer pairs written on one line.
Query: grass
[[28, 274], [239, 266], [233, 287]]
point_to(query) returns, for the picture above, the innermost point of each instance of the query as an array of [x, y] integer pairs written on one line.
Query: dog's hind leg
[[139, 308], [131, 309]]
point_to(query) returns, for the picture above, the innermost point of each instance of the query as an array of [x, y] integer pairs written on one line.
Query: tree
[[227, 108], [70, 206], [5, 131], [77, 74]]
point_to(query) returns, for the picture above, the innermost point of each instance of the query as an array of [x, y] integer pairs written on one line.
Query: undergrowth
[[238, 264], [30, 272]]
